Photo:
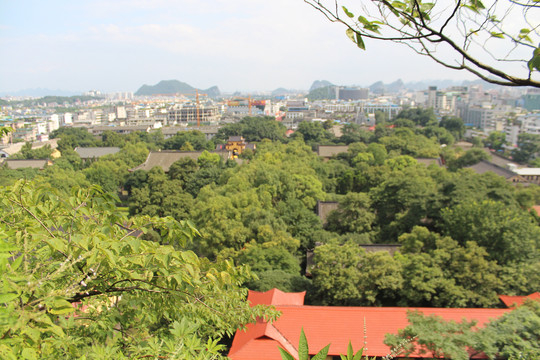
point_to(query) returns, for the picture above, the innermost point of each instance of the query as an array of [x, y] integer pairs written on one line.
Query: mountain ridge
[[174, 87]]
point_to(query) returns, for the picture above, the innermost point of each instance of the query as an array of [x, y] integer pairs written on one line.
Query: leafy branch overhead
[[497, 41], [76, 275]]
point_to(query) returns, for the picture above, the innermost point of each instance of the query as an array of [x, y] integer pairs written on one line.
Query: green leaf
[[534, 63], [285, 355], [321, 355], [61, 306], [360, 42], [347, 12], [6, 247], [497, 35], [16, 263], [350, 353], [350, 33], [56, 243], [356, 38], [29, 353], [359, 354], [399, 5], [4, 298], [303, 349]]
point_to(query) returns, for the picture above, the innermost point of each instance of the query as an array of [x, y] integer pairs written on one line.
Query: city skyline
[[238, 46]]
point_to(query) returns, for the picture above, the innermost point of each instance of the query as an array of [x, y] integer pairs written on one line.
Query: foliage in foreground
[[77, 282], [515, 335], [303, 350]]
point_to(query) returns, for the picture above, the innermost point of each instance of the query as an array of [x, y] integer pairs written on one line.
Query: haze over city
[[236, 45]]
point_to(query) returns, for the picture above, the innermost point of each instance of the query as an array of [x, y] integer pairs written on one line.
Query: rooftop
[[334, 325], [165, 159], [95, 152]]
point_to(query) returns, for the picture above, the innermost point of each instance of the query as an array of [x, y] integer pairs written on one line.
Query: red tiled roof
[[337, 326], [513, 301], [276, 297]]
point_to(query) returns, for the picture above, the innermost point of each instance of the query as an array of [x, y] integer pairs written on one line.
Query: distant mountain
[[486, 85], [213, 91], [174, 87], [282, 91], [377, 88], [40, 92], [424, 84], [443, 84], [395, 87], [319, 84], [322, 93]]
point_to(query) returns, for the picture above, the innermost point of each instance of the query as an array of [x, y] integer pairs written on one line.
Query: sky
[[237, 45]]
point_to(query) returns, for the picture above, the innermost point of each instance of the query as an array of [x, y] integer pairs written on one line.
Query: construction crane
[[251, 102], [197, 105]]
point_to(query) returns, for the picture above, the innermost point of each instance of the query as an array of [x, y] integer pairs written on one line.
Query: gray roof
[[165, 159], [485, 166], [331, 150], [22, 164], [500, 160], [430, 161], [324, 208], [236, 138], [95, 152], [15, 148]]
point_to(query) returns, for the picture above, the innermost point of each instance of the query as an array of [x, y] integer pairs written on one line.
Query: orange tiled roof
[[276, 297], [336, 325], [513, 301]]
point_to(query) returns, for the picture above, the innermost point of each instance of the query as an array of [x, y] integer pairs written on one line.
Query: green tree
[[352, 133], [111, 138], [439, 272], [182, 170], [346, 275], [160, 196], [72, 137], [207, 159], [515, 335], [195, 138], [379, 152], [313, 132], [420, 116], [69, 160], [496, 140], [352, 215], [508, 234], [454, 125], [443, 136], [402, 200], [528, 148], [27, 152], [77, 282], [469, 158], [62, 179], [253, 128]]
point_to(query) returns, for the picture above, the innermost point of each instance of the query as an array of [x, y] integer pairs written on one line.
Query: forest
[[228, 226]]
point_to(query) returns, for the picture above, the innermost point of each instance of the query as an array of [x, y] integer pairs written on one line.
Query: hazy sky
[[115, 45]]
